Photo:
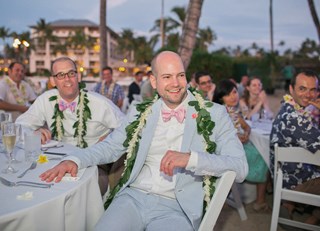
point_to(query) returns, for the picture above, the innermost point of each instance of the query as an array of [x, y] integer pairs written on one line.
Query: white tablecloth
[[75, 205], [260, 137]]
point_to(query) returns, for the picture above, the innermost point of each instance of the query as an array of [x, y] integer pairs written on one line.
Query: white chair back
[[223, 186], [294, 155]]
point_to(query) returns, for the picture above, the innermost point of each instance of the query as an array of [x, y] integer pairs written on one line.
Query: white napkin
[[25, 196], [50, 144], [68, 176]]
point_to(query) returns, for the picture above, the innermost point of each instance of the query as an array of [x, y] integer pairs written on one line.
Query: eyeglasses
[[62, 75], [205, 83]]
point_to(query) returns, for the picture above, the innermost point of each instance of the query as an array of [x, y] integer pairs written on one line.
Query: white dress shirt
[[167, 136], [105, 117]]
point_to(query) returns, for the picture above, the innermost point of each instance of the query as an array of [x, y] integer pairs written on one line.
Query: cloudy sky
[[235, 22]]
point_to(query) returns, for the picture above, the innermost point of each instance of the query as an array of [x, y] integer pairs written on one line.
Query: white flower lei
[[133, 138], [20, 100], [80, 126]]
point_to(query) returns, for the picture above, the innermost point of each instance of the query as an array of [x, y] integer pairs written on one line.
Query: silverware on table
[[55, 146], [24, 183], [32, 166], [56, 153]]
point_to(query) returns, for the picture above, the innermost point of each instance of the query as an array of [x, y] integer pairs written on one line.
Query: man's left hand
[[173, 159]]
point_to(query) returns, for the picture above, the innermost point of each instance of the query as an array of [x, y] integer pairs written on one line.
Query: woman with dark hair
[[226, 93]]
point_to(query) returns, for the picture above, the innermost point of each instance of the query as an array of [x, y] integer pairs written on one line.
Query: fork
[[55, 146], [24, 183], [33, 166]]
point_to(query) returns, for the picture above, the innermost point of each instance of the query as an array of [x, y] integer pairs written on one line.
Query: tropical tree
[[205, 38], [189, 31], [44, 33], [126, 43], [103, 34], [314, 17], [4, 33], [79, 40]]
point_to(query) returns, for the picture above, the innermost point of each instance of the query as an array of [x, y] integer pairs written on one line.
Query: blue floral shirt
[[292, 129]]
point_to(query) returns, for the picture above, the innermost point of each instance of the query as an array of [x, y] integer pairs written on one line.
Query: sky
[[235, 22]]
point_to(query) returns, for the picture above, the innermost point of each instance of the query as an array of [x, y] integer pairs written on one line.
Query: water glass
[[32, 145]]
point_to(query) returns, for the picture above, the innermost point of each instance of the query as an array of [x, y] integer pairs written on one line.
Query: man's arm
[[12, 107]]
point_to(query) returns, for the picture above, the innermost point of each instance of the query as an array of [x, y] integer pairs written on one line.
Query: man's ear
[[153, 81], [52, 81], [290, 89]]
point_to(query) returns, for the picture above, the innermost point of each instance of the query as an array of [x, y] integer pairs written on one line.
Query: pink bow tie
[[64, 105], [179, 114]]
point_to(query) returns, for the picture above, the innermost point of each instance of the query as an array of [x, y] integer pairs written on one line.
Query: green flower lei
[[80, 126], [204, 127]]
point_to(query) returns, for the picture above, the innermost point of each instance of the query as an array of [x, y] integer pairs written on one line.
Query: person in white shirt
[[168, 157], [15, 94], [70, 114]]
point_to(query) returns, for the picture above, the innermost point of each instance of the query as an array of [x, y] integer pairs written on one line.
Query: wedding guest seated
[[109, 88], [255, 101], [169, 160], [205, 84], [70, 114], [15, 94], [226, 93], [295, 126]]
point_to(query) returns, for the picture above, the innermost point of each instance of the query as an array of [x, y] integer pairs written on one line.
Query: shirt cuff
[[193, 162]]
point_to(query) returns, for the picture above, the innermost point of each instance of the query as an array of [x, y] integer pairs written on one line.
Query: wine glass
[[9, 139], [4, 117]]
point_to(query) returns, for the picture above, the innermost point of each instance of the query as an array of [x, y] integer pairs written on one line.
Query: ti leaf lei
[[80, 126], [204, 127]]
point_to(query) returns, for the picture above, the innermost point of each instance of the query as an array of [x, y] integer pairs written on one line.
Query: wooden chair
[[223, 186], [296, 155]]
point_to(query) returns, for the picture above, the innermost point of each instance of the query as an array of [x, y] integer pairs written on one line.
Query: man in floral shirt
[[295, 125]]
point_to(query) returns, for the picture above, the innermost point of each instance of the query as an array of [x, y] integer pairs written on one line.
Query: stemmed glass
[[4, 117], [9, 139]]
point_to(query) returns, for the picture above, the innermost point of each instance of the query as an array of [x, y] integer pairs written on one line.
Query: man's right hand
[[56, 173], [45, 135]]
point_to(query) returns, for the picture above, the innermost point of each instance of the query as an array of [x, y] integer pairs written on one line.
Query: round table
[[68, 205]]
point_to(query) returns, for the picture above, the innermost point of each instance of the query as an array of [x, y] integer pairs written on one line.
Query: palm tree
[[126, 43], [189, 31], [314, 17], [44, 33], [103, 34], [4, 33], [205, 38]]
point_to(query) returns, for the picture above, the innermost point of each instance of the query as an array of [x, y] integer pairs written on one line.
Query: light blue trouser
[[135, 210]]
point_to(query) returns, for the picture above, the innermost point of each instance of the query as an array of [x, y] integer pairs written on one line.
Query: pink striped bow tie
[[179, 114], [64, 105]]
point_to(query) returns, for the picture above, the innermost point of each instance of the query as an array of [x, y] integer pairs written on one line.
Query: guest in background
[[16, 95], [288, 73], [255, 100], [226, 94], [109, 88], [295, 126], [146, 89], [242, 85], [205, 84], [134, 87], [192, 83]]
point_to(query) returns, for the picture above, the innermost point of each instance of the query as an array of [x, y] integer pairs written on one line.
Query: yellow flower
[[42, 159]]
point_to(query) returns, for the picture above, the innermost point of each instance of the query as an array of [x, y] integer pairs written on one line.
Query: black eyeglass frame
[[62, 75]]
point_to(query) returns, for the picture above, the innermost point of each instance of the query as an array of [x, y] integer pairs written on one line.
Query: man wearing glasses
[[205, 85], [68, 113]]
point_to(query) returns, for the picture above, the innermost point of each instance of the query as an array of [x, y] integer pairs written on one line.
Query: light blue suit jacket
[[229, 155]]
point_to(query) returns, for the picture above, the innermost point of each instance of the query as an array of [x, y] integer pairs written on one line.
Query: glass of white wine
[[9, 139]]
